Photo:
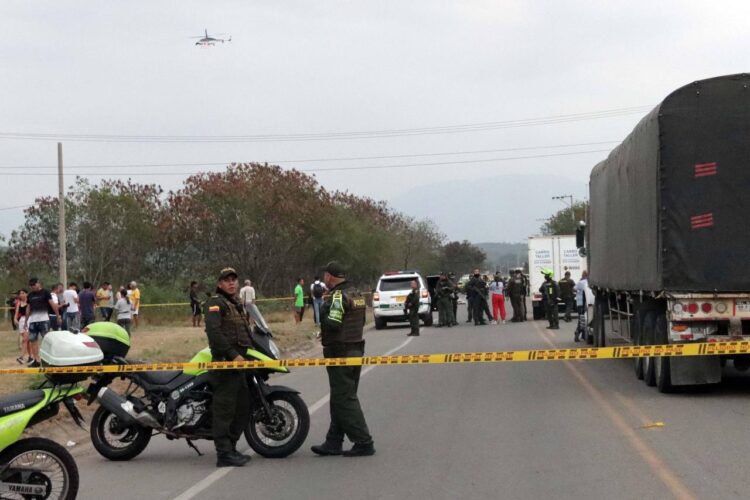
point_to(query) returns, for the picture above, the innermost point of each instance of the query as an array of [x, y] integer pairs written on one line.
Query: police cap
[[335, 269], [227, 272]]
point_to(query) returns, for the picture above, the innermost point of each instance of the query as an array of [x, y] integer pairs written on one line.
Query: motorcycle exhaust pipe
[[124, 409]]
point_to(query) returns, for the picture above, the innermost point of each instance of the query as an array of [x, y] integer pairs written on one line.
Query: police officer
[[478, 289], [411, 309], [454, 297], [444, 293], [228, 334], [342, 321], [550, 293], [517, 291], [567, 294]]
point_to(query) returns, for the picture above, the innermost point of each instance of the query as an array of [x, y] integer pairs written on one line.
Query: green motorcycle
[[36, 468]]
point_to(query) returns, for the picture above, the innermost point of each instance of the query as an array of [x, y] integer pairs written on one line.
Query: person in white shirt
[[317, 290], [247, 295], [124, 310], [70, 297], [581, 289], [56, 291], [497, 292]]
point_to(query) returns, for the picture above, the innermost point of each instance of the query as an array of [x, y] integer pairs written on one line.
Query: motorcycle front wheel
[[282, 433], [42, 465], [113, 440]]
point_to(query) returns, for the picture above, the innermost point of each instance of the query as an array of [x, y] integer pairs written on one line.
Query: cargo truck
[[558, 253], [668, 239]]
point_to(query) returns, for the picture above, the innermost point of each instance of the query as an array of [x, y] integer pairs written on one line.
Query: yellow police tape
[[584, 353]]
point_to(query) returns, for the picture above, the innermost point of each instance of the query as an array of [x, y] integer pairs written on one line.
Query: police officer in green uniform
[[550, 293], [444, 294], [342, 321], [228, 334], [411, 309]]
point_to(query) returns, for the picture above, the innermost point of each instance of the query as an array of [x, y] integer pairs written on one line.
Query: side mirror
[[580, 235]]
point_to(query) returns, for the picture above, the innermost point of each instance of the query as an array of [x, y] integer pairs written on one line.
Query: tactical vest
[[352, 319], [234, 325]]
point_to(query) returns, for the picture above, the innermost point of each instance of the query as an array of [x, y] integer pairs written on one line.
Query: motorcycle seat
[[160, 378], [19, 402]]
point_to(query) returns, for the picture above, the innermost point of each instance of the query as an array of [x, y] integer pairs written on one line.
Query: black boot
[[360, 450], [230, 459], [327, 449]]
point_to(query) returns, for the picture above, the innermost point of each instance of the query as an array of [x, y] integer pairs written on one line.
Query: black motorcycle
[[177, 404]]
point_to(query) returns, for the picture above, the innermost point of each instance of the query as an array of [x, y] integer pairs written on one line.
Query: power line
[[309, 160], [325, 136], [330, 169], [15, 208]]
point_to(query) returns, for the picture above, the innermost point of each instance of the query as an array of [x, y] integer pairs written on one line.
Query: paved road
[[543, 430]]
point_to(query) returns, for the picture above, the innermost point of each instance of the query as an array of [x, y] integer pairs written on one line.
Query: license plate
[[743, 306], [401, 300]]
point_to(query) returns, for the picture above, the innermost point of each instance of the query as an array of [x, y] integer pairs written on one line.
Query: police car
[[390, 295]]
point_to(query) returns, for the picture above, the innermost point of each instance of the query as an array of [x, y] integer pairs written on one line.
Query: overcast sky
[[297, 67]]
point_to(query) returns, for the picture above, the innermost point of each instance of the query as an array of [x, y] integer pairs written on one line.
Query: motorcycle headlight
[[274, 349]]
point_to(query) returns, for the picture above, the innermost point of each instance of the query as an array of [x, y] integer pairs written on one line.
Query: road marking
[[659, 468], [218, 474]]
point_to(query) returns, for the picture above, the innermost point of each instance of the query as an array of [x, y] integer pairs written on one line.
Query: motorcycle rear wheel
[[284, 432], [43, 463], [114, 443]]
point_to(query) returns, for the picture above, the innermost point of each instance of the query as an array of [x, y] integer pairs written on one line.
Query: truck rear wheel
[[380, 323], [662, 363], [647, 338]]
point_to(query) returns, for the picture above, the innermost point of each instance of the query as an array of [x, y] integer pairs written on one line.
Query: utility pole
[[567, 196], [63, 239]]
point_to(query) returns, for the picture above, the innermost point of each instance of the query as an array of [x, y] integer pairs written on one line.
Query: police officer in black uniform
[[342, 321], [550, 294], [228, 334]]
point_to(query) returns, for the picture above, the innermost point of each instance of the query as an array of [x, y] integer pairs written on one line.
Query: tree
[[563, 222], [460, 256], [111, 232]]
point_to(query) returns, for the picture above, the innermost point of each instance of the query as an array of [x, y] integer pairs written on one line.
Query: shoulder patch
[[214, 309]]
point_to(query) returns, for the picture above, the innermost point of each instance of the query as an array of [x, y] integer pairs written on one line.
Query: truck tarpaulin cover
[[670, 206]]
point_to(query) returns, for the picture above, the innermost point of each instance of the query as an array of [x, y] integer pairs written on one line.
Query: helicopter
[[207, 41]]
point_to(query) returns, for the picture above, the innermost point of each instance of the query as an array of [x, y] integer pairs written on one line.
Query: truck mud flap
[[695, 370]]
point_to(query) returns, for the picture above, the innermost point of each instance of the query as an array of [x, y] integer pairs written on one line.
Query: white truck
[[558, 253]]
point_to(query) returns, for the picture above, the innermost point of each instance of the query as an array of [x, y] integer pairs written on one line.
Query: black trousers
[[553, 314], [347, 418], [230, 408], [480, 308], [515, 302], [414, 321], [569, 303]]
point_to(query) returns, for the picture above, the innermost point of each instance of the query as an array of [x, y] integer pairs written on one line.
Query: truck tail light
[[376, 297], [677, 308], [686, 336], [706, 307], [537, 296], [721, 307], [692, 308], [679, 328]]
